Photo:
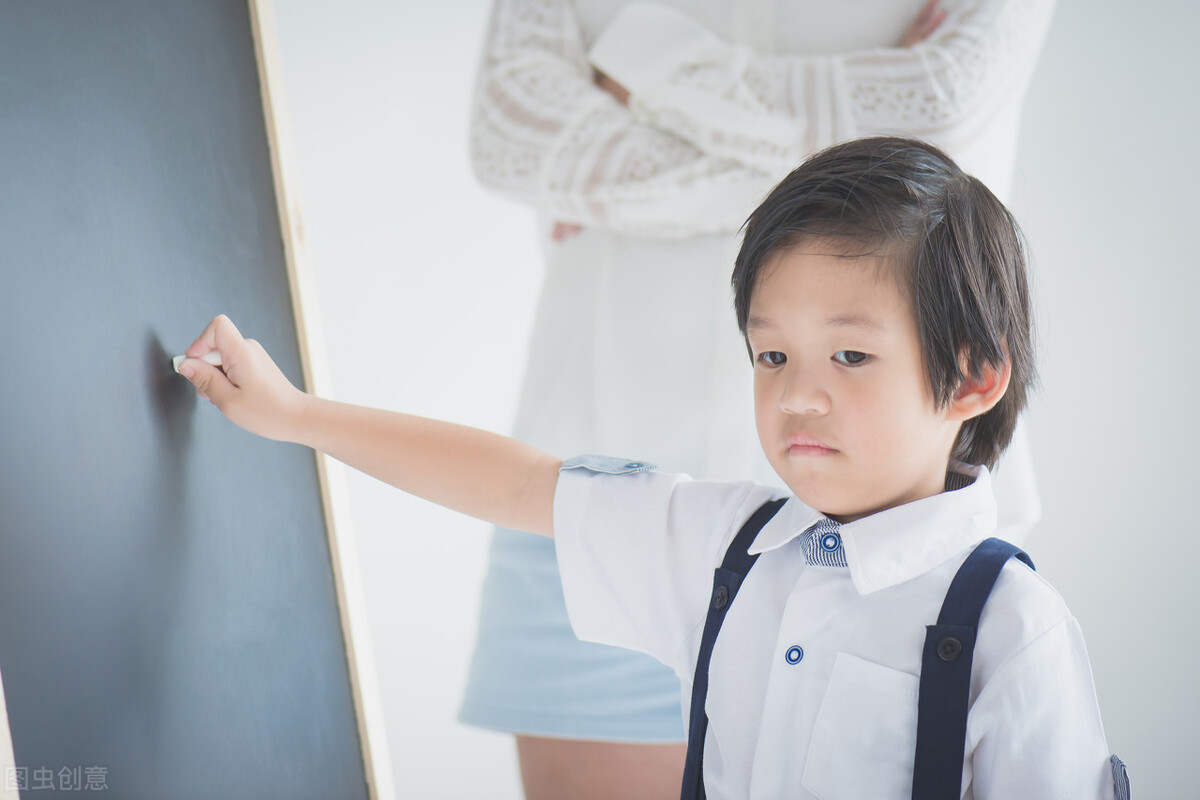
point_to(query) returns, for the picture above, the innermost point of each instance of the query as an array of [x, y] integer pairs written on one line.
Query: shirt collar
[[901, 543]]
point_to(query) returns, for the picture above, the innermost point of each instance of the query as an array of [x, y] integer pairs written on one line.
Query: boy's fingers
[[220, 335], [209, 381]]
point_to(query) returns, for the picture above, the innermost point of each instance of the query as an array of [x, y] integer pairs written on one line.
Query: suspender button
[[949, 649], [721, 597]]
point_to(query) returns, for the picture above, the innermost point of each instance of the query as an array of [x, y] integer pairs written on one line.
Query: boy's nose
[[803, 395]]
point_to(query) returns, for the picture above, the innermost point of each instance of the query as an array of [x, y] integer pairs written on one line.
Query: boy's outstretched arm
[[485, 475]]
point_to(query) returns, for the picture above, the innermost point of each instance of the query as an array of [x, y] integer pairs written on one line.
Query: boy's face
[[844, 412]]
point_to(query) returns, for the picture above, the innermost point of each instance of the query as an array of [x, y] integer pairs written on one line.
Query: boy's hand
[[248, 388]]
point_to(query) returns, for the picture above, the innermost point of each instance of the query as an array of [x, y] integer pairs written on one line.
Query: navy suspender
[[726, 582], [946, 673], [945, 667]]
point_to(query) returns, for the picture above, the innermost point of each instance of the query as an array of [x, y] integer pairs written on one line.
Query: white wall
[[1107, 193], [427, 283]]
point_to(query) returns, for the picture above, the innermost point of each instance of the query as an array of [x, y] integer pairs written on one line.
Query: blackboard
[[172, 618]]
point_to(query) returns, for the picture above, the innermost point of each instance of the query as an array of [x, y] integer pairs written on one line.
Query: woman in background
[[644, 133]]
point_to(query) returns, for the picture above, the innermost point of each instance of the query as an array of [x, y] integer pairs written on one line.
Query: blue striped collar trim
[[822, 544]]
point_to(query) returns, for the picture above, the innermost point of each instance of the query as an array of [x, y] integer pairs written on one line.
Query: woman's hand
[[924, 25], [565, 230], [605, 82], [247, 388]]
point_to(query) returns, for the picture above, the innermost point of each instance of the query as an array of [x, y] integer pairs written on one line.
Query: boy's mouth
[[805, 444]]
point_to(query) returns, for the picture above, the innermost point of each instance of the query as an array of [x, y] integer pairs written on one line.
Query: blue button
[[794, 654], [830, 542]]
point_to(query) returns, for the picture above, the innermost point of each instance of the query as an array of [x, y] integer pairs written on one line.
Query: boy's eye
[[850, 358], [772, 358]]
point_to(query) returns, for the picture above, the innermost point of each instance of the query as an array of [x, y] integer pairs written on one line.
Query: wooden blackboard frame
[[7, 760], [351, 604]]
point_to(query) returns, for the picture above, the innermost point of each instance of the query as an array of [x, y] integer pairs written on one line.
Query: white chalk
[[212, 357]]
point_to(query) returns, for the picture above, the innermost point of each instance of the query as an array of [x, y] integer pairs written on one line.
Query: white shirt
[[637, 553], [635, 347]]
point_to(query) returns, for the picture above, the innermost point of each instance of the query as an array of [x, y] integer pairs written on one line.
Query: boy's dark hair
[[957, 247]]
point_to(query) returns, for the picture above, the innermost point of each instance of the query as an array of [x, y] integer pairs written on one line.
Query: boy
[[883, 299]]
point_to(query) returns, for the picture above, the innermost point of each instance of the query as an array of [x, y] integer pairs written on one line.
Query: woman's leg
[[567, 769]]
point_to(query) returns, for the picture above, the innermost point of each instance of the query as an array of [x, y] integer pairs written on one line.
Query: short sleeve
[[637, 548], [1036, 726]]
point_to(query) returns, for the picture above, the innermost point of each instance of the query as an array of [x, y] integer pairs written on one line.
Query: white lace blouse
[[728, 96]]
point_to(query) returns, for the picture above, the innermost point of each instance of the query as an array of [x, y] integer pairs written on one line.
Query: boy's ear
[[977, 396]]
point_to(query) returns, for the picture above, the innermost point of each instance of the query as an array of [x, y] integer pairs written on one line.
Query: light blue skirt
[[530, 675]]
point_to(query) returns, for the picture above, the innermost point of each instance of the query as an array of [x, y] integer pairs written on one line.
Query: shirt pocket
[[864, 740]]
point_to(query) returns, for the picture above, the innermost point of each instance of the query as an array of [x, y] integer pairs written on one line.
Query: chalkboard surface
[[169, 626]]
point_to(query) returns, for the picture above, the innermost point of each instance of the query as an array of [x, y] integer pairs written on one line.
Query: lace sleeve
[[544, 134], [770, 112]]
